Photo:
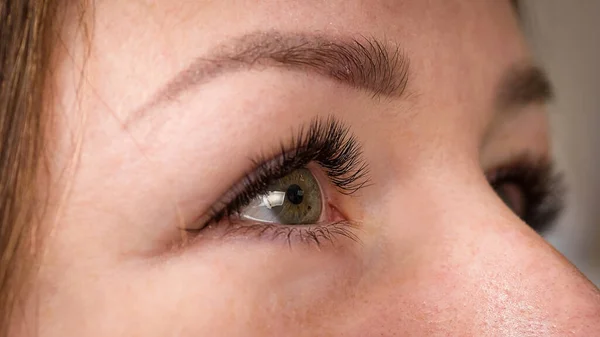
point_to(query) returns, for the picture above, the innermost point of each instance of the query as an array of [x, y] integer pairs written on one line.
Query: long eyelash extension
[[542, 186], [327, 142]]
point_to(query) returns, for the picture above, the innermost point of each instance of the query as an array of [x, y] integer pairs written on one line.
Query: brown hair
[[25, 27]]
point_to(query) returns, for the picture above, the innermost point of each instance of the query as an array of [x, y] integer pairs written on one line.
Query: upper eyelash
[[325, 141], [543, 188], [336, 151]]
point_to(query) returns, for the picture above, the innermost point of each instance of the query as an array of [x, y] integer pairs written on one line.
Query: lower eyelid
[[319, 235]]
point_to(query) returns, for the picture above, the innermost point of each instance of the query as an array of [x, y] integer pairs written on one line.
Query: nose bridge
[[467, 224], [466, 253]]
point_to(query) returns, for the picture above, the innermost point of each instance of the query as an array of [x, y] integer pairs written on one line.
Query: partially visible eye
[[513, 196], [294, 199], [531, 190]]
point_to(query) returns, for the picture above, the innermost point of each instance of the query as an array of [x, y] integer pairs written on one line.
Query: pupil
[[295, 194]]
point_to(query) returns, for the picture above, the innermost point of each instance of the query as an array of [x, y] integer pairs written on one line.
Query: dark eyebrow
[[362, 63], [523, 85]]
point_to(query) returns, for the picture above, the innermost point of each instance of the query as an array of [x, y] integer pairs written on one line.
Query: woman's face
[[300, 168]]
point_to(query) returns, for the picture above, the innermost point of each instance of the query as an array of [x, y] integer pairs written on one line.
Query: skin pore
[[142, 145]]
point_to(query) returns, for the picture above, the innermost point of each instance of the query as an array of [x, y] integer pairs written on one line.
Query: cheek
[[235, 289], [260, 290]]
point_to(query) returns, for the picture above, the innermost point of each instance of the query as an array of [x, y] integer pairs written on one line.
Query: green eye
[[292, 200]]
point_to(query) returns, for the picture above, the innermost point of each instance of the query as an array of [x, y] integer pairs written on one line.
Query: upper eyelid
[[326, 141]]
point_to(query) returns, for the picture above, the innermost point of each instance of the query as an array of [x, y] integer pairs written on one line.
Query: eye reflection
[[293, 199]]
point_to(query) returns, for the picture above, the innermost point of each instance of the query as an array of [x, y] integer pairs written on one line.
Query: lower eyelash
[[318, 235]]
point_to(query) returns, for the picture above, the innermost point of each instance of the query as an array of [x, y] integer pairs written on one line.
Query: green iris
[[291, 200]]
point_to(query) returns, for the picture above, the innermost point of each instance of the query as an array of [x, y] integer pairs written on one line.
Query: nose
[[453, 260]]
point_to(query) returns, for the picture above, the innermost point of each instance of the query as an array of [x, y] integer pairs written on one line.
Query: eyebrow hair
[[361, 63], [522, 85]]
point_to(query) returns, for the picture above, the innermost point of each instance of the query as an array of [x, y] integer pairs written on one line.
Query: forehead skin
[[169, 35], [439, 253]]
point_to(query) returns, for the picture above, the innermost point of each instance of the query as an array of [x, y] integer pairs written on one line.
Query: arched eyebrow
[[367, 64], [362, 63]]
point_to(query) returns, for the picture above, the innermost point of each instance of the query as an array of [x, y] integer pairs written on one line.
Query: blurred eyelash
[[542, 187], [327, 142]]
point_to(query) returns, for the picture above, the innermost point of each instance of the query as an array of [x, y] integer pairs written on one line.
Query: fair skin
[[436, 252]]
